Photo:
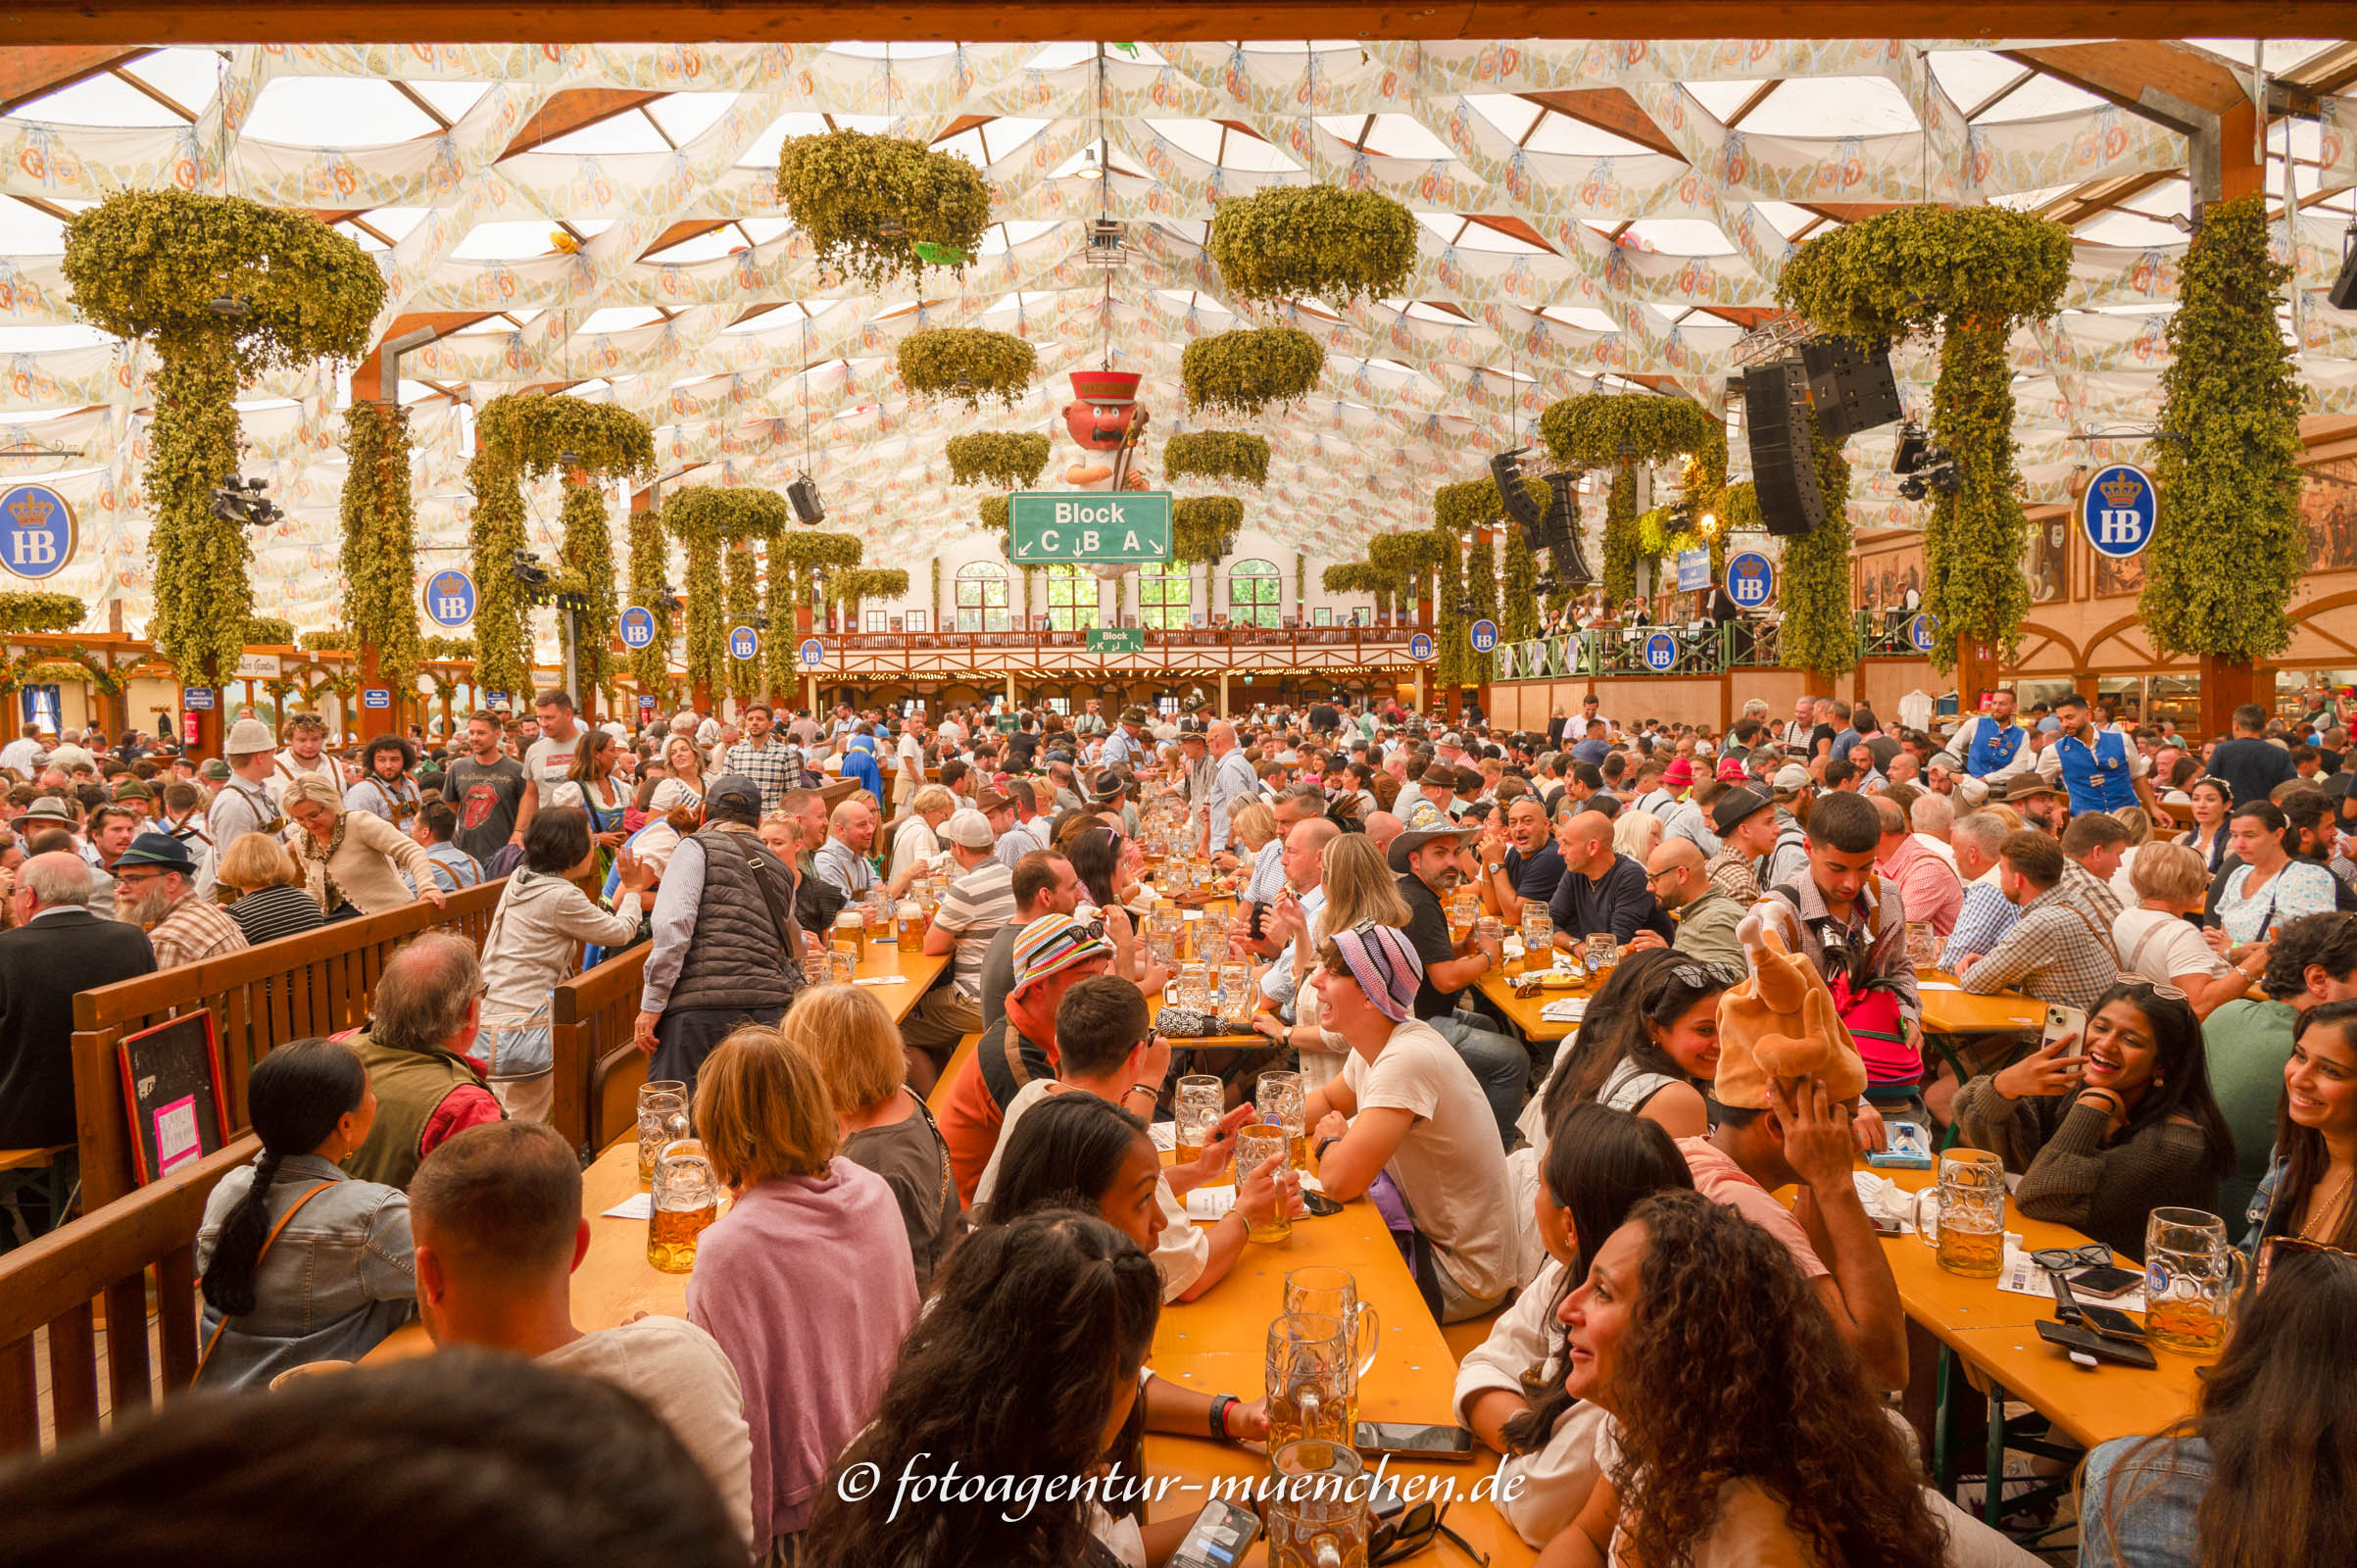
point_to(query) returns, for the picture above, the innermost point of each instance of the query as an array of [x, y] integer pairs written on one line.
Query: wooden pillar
[[1976, 672], [2224, 687]]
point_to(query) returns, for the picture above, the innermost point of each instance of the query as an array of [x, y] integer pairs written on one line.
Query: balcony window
[[1163, 596], [982, 596], [1254, 594]]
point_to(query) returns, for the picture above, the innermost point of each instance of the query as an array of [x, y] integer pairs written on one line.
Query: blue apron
[[1993, 748], [2097, 776]]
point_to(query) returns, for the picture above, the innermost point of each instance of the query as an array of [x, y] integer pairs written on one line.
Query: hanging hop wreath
[[270, 631], [1598, 429], [41, 613], [1247, 370], [968, 363], [1010, 459], [1313, 242], [845, 189], [1217, 455], [1204, 527]]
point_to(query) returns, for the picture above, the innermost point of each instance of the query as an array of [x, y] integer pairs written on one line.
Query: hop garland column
[[1518, 617], [706, 518], [589, 559], [650, 588], [379, 549], [744, 602], [151, 265], [2229, 547]]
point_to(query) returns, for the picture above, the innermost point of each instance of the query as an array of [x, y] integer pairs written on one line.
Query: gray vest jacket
[[735, 959]]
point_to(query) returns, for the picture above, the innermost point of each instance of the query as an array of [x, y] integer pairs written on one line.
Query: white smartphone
[[2062, 1021]]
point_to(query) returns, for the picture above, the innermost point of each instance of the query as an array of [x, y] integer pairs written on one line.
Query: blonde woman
[[1637, 835], [806, 1282], [352, 863], [857, 1048], [1358, 886], [257, 881], [912, 840], [2156, 943], [684, 764]]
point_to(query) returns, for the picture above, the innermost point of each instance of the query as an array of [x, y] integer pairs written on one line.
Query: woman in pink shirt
[[806, 1282]]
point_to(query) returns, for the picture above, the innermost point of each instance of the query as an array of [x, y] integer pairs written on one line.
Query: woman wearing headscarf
[[352, 862]]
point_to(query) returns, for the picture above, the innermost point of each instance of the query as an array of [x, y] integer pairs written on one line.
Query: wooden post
[[1976, 672], [2224, 687]]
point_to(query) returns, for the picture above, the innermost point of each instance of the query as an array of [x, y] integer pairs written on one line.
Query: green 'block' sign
[[1045, 526], [1116, 639]]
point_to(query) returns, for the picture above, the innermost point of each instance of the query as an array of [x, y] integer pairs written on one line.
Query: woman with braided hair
[[301, 1262]]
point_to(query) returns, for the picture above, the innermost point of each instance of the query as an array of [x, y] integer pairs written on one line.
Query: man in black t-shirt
[[2251, 766], [490, 791], [1429, 870], [1324, 719]]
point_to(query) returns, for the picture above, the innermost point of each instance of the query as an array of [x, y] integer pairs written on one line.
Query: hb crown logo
[[2120, 510], [40, 531], [2122, 490]]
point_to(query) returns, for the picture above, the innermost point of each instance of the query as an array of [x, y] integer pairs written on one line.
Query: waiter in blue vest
[[2101, 768], [1993, 746]]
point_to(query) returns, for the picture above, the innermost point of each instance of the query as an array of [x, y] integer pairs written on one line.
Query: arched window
[[982, 596], [1165, 593], [1253, 593], [1071, 598]]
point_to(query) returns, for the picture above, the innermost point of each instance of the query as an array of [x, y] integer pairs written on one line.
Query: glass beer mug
[[1254, 1146], [661, 1119], [1239, 998], [1283, 1100], [2191, 1278], [1312, 1381], [1196, 1105], [1965, 1221], [686, 1200], [1317, 1507], [1195, 988], [1334, 1293]]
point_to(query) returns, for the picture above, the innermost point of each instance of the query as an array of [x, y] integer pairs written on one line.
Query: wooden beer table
[[1945, 1013]]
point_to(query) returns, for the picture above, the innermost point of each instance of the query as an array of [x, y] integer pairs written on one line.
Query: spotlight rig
[[243, 501], [1923, 466]]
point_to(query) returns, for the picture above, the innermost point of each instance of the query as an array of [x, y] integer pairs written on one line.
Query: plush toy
[[1779, 1022]]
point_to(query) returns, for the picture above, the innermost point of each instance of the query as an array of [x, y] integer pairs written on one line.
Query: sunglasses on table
[[2055, 1259], [1396, 1540]]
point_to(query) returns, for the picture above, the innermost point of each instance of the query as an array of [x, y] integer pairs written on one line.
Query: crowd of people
[[1680, 1366]]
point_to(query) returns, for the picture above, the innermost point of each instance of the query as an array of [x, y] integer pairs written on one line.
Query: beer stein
[[1239, 998], [1333, 1293], [1284, 1102], [1962, 1217], [661, 1119], [1195, 988], [1318, 1508], [1196, 1105], [1312, 1381], [2191, 1278], [1254, 1146], [686, 1200]]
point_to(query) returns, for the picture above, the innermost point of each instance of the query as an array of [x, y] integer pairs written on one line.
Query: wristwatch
[[1493, 867]]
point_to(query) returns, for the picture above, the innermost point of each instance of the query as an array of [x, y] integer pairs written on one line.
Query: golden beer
[[2191, 1325], [1190, 1153], [1300, 1155], [671, 1236], [1968, 1246], [912, 918], [1289, 1418], [1254, 1146]]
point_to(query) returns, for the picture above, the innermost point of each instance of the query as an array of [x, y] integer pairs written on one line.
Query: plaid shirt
[[2052, 953], [195, 930], [1732, 874], [776, 767], [2082, 887]]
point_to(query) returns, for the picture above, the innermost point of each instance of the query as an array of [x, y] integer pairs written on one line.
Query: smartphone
[[1325, 1207], [1405, 1439], [2108, 1321], [2086, 1342], [2106, 1282], [1218, 1539], [2064, 1021]]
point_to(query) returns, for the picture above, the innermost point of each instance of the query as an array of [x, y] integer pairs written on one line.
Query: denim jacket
[[337, 1280], [2152, 1499], [2262, 1201]]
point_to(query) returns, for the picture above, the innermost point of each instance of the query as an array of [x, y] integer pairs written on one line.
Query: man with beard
[[385, 787], [2034, 798], [156, 891], [1427, 863]]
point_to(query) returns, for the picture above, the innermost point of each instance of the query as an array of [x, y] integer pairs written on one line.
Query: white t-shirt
[[1450, 1167], [2160, 947], [546, 761], [682, 1372], [1180, 1253], [911, 755]]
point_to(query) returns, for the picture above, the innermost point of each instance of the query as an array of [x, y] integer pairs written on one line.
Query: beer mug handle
[[1927, 1227], [1326, 1552], [2237, 1267], [1369, 1329]]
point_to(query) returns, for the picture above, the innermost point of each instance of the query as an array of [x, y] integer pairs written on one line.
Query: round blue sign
[[1484, 635], [814, 653], [1660, 651], [638, 627], [40, 531], [1419, 647], [450, 598], [2120, 510], [1923, 631], [1750, 579], [742, 642]]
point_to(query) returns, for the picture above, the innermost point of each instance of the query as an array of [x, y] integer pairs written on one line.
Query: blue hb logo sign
[[450, 598], [2120, 510], [1750, 579], [40, 531], [1923, 631], [814, 653], [638, 627], [1660, 651], [1419, 647], [743, 642], [1485, 636]]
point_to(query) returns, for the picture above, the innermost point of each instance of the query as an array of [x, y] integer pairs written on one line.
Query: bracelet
[[1148, 1090], [1325, 1144], [1219, 1415]]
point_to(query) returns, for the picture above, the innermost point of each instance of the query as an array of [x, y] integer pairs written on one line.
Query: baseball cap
[[1385, 964], [248, 736], [1051, 944], [1790, 777], [734, 790], [1738, 805], [969, 829]]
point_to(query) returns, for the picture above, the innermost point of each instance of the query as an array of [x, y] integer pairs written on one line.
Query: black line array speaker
[[1853, 390], [1784, 467]]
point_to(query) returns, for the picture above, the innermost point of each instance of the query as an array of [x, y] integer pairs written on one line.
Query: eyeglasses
[[1415, 1531], [2055, 1259], [1707, 976], [2154, 987]]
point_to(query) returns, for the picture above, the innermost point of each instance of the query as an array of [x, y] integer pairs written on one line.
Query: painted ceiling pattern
[[663, 275]]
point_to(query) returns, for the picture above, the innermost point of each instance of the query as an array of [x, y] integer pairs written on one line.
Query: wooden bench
[[939, 1099], [37, 1168]]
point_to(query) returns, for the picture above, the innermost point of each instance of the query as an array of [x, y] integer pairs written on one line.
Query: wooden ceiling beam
[[1608, 109], [2120, 71], [574, 108], [153, 23], [30, 73]]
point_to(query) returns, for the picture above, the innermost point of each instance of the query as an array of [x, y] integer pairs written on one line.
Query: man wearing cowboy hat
[[245, 804], [2033, 797], [156, 891], [1427, 863]]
